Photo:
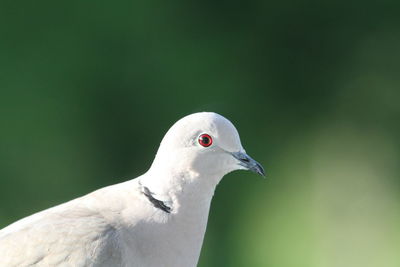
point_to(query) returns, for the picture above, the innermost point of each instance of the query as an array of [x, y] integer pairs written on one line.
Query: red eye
[[205, 140]]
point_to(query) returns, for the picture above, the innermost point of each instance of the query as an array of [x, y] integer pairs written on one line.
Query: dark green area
[[88, 89]]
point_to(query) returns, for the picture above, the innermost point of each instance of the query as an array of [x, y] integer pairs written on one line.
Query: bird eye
[[205, 140]]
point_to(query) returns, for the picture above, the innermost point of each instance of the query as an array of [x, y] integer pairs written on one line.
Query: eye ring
[[205, 140]]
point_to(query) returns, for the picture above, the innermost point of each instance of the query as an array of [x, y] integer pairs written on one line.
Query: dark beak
[[248, 163]]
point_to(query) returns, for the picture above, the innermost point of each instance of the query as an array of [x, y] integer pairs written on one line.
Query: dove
[[156, 219]]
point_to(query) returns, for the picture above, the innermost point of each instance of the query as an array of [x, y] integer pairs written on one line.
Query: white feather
[[118, 225]]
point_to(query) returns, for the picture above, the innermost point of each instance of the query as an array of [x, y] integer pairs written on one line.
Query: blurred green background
[[88, 89]]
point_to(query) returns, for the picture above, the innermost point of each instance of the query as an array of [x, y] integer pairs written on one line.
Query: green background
[[88, 89]]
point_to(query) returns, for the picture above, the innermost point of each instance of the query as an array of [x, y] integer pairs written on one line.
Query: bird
[[156, 219]]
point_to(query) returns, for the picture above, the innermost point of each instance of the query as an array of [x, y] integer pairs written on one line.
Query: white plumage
[[157, 219]]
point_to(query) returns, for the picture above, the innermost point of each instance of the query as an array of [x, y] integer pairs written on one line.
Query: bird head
[[206, 144]]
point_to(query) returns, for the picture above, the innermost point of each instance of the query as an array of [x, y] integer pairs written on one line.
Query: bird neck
[[180, 190]]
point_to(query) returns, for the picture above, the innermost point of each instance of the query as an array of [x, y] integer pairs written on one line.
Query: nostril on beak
[[245, 160]]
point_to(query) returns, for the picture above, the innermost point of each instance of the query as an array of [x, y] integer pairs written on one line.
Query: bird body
[[157, 219]]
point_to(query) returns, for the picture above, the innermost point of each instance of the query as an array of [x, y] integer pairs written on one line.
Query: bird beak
[[248, 163]]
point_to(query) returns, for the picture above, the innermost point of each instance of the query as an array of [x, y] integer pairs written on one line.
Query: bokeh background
[[88, 89]]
